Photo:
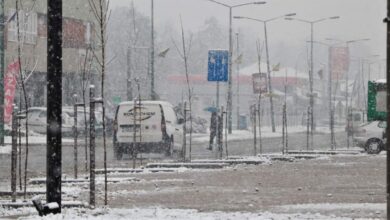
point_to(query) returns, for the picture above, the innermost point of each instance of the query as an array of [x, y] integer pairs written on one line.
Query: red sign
[[339, 61], [9, 90], [259, 83]]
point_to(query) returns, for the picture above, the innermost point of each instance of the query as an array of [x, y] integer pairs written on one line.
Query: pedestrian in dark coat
[[213, 129]]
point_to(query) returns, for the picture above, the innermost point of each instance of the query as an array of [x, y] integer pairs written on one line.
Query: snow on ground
[[41, 139], [5, 149], [326, 130], [373, 210], [266, 132], [335, 206], [158, 213]]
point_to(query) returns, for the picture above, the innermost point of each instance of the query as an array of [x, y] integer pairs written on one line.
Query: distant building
[[205, 92], [78, 35]]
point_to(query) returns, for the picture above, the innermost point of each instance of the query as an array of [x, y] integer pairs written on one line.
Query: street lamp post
[[331, 107], [312, 67], [362, 61], [229, 97], [268, 63], [2, 34], [153, 94], [130, 57], [347, 78], [368, 61], [238, 80], [361, 81]]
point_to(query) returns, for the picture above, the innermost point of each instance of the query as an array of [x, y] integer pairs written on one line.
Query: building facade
[[79, 25]]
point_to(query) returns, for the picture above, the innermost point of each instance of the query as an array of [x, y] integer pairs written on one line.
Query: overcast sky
[[358, 18]]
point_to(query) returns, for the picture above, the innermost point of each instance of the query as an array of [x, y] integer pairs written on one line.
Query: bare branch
[[112, 59], [177, 48], [31, 72], [190, 45]]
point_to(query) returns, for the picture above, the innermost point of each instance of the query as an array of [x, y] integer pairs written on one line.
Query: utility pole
[[286, 16], [54, 101], [347, 103], [311, 84], [331, 110], [311, 72], [238, 81], [229, 108], [387, 20], [75, 165], [346, 99], [153, 94], [269, 79], [184, 144], [129, 85], [14, 152], [229, 96], [92, 147], [254, 111], [2, 25]]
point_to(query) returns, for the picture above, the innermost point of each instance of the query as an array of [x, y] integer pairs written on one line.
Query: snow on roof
[[254, 68], [146, 102], [380, 81]]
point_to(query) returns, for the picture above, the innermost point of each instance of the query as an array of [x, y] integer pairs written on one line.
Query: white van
[[157, 129]]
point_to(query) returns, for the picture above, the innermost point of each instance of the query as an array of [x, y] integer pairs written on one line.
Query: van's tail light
[[163, 126], [115, 125]]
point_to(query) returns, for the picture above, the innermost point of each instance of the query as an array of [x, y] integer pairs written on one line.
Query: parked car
[[37, 120], [149, 127], [81, 119], [370, 136], [355, 119]]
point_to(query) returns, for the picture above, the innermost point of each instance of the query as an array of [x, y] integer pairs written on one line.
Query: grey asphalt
[[37, 153]]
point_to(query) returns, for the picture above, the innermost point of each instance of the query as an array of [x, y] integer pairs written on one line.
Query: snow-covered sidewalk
[[6, 149], [266, 132], [36, 140], [170, 214]]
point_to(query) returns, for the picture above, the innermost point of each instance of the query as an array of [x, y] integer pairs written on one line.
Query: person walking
[[213, 130]]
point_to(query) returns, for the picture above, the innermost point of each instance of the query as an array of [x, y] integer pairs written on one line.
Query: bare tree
[[85, 74], [23, 77], [100, 10], [259, 49], [184, 55]]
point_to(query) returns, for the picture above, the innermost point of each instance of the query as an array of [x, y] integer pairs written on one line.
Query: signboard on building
[[339, 61], [218, 61], [9, 90], [259, 83], [376, 109], [116, 100]]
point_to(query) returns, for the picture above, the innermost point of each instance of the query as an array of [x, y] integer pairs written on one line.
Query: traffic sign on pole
[[218, 65]]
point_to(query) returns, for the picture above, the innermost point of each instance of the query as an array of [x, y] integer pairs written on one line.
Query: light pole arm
[[301, 20], [253, 19], [220, 3], [249, 3], [315, 21], [271, 19], [319, 20], [236, 6]]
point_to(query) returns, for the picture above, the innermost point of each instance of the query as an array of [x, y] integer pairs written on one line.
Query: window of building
[[28, 26]]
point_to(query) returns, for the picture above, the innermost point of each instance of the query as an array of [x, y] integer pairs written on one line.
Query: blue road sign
[[218, 65]]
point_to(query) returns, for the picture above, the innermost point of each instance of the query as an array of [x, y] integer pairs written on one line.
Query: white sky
[[359, 18]]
